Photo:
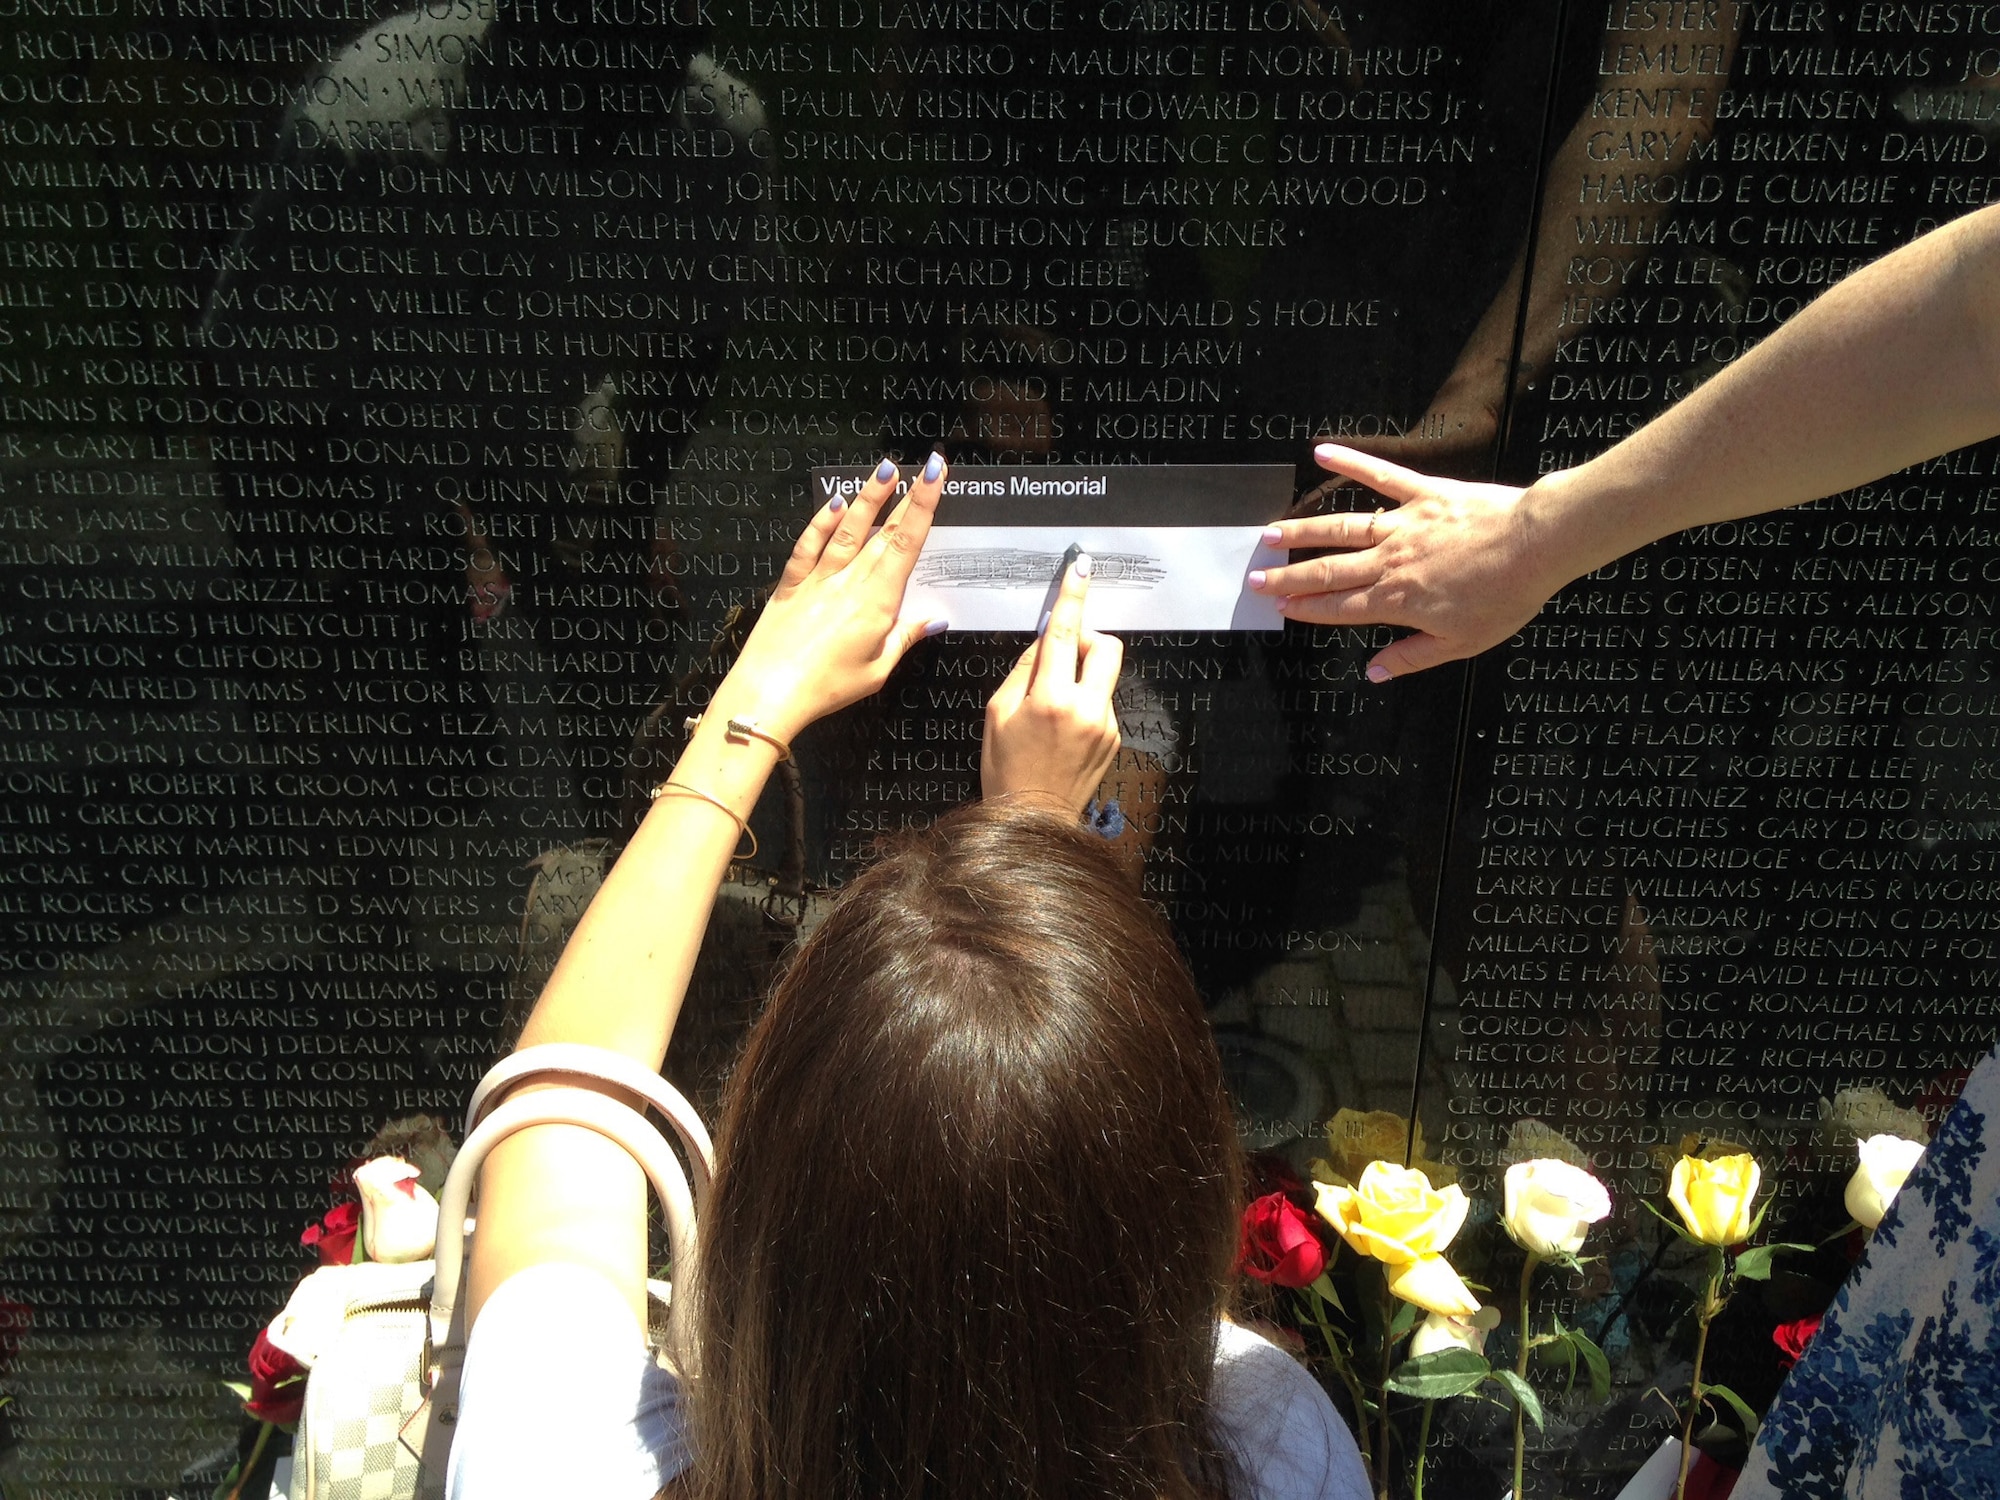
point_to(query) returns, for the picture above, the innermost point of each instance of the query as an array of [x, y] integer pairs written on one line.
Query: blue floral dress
[[1898, 1395]]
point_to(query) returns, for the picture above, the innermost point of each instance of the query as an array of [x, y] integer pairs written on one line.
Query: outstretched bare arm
[[1896, 364], [828, 636]]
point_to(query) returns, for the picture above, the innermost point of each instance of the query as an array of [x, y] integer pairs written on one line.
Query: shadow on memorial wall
[[399, 405]]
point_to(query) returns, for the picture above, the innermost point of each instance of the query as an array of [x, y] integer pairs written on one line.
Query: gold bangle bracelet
[[667, 787], [739, 730]]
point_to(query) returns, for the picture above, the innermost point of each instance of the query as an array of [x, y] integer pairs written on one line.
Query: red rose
[[1278, 1246], [1792, 1338], [333, 1236], [277, 1384]]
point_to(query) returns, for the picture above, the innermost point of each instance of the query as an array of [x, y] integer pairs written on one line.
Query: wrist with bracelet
[[741, 732], [736, 732], [671, 787]]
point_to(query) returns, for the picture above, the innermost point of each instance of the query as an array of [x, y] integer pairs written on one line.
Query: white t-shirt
[[559, 1397]]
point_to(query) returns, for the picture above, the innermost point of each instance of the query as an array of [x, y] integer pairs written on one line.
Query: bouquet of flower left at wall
[[1393, 1322], [385, 1211], [1395, 1286]]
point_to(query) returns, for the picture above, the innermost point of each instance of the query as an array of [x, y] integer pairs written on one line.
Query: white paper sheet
[[1655, 1479], [1143, 577]]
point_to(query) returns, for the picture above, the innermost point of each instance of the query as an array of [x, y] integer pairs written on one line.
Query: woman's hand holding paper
[[831, 633], [1051, 729]]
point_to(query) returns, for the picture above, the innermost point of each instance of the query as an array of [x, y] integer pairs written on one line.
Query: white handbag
[[383, 1344]]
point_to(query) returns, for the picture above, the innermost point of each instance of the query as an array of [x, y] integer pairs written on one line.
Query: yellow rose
[[1713, 1198], [1395, 1216], [1431, 1283]]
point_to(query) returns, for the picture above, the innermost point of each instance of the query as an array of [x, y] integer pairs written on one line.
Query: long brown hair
[[976, 1194]]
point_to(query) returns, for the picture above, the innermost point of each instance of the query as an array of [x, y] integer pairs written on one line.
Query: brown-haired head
[[976, 1193]]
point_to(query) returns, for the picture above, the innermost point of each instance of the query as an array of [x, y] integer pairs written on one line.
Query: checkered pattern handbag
[[360, 1396], [384, 1358]]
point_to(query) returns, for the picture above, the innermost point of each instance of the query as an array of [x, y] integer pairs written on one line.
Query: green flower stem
[[1521, 1369], [1423, 1444], [249, 1464], [1711, 1304], [1388, 1365], [1346, 1374], [1694, 1405]]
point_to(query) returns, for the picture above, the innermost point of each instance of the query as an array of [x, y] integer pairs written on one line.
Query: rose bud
[[277, 1383], [1440, 1331], [1792, 1338], [1713, 1198], [1395, 1216], [333, 1236], [1886, 1161], [1278, 1246], [1551, 1206], [398, 1217]]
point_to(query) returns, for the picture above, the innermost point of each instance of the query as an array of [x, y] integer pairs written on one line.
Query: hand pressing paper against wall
[[1171, 546]]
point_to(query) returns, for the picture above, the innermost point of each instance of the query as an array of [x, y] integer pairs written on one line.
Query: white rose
[[1551, 1206], [1886, 1161], [1439, 1331], [398, 1217]]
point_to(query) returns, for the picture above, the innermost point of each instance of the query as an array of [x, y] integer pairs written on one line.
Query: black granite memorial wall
[[396, 404]]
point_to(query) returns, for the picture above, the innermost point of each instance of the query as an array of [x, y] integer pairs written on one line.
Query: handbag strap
[[563, 1105], [606, 1066]]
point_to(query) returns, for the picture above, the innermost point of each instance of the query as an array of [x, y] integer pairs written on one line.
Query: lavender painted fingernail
[[1324, 450], [937, 627], [886, 472], [837, 504], [933, 467], [1256, 578], [1377, 672], [1082, 566], [1272, 536]]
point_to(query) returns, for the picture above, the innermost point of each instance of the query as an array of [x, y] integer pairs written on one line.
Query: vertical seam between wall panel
[[1461, 747], [1542, 164]]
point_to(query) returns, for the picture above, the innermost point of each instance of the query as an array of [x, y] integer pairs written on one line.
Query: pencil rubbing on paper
[[1015, 568]]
